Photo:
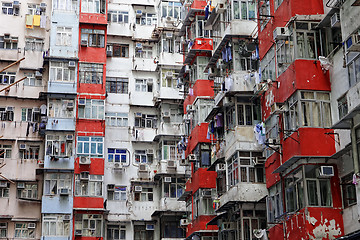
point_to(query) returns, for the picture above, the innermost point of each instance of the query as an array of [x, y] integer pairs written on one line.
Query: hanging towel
[[43, 21], [37, 20], [29, 21], [228, 53]]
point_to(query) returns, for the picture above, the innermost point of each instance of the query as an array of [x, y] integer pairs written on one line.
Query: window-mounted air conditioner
[[84, 176], [138, 46], [16, 4], [84, 160], [326, 172], [220, 7], [36, 110], [72, 64], [7, 37], [171, 164], [84, 43], [281, 33], [70, 105], [169, 35], [78, 232], [82, 102], [38, 75], [220, 167], [184, 222], [184, 162], [169, 75], [67, 217], [190, 108], [142, 168], [3, 184], [64, 191], [22, 146], [166, 114], [69, 137], [150, 227], [353, 43], [335, 20], [11, 109], [187, 68], [150, 151], [118, 166], [138, 13], [206, 193], [43, 6], [31, 225], [192, 157], [138, 114], [20, 185], [138, 188], [111, 187], [167, 179], [109, 51]]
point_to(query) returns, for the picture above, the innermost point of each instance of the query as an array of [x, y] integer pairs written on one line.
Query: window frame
[[119, 193], [58, 146], [53, 182], [48, 222], [93, 109], [111, 231], [82, 220], [93, 187], [118, 85], [98, 142], [23, 230], [91, 73]]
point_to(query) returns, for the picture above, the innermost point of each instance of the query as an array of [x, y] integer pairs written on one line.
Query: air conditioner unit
[[82, 102], [138, 46], [170, 19], [183, 162], [150, 81], [11, 109], [171, 164], [70, 105], [220, 8], [187, 68], [78, 232], [281, 33], [22, 146], [72, 64], [167, 179], [20, 185], [192, 157], [169, 75], [31, 225], [7, 37], [84, 176], [111, 187], [166, 114], [259, 161], [84, 43], [118, 166], [69, 137], [150, 151], [64, 191], [38, 75], [326, 172], [16, 4], [138, 114], [353, 43], [142, 168], [206, 193], [84, 160], [43, 6], [138, 13], [184, 222], [220, 167], [150, 227], [36, 110], [169, 35], [67, 217], [335, 20], [3, 184], [138, 188]]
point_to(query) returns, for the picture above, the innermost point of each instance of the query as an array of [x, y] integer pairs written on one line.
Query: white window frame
[[93, 6], [58, 108], [22, 230], [118, 16], [146, 121], [89, 188], [143, 85], [54, 225], [34, 44], [9, 45], [85, 143], [53, 182], [117, 194], [63, 36], [171, 9], [28, 115], [29, 192], [93, 109], [145, 52], [91, 73], [55, 143], [113, 119], [147, 19], [30, 80], [89, 223], [3, 227], [65, 5], [116, 230], [59, 71], [4, 192], [7, 148], [7, 78]]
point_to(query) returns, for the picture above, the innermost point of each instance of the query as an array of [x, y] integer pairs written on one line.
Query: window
[[230, 118], [91, 73], [171, 9], [175, 188], [342, 106], [3, 229], [89, 188], [63, 36], [252, 220], [25, 230], [90, 146], [319, 190], [268, 65], [307, 42], [31, 80], [5, 151], [145, 120], [34, 44], [245, 114], [58, 146], [357, 136], [55, 225], [284, 54], [140, 233], [169, 78], [118, 50], [142, 157], [61, 108], [169, 151], [93, 6], [203, 205], [169, 44], [294, 191], [118, 16], [94, 37], [8, 42], [144, 52], [65, 5], [60, 72], [27, 190], [31, 152], [241, 168], [310, 109], [172, 229], [116, 193], [90, 224], [93, 109], [7, 113], [34, 9], [143, 85], [117, 155], [145, 195], [348, 191], [147, 19], [117, 119], [244, 10], [7, 77], [30, 115], [274, 203], [354, 70], [55, 181], [4, 189], [117, 85], [264, 12], [9, 9]]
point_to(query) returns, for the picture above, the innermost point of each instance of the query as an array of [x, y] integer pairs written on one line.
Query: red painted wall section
[[95, 18], [315, 223], [201, 88], [198, 4], [90, 126], [200, 223], [203, 179], [95, 168], [313, 142], [271, 164], [205, 44], [276, 232], [88, 202], [198, 135]]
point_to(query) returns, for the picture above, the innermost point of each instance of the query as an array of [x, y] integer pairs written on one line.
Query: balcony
[[200, 225], [142, 64], [60, 124], [65, 163], [57, 203], [166, 168], [201, 179], [143, 134], [191, 10], [10, 55], [199, 45]]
